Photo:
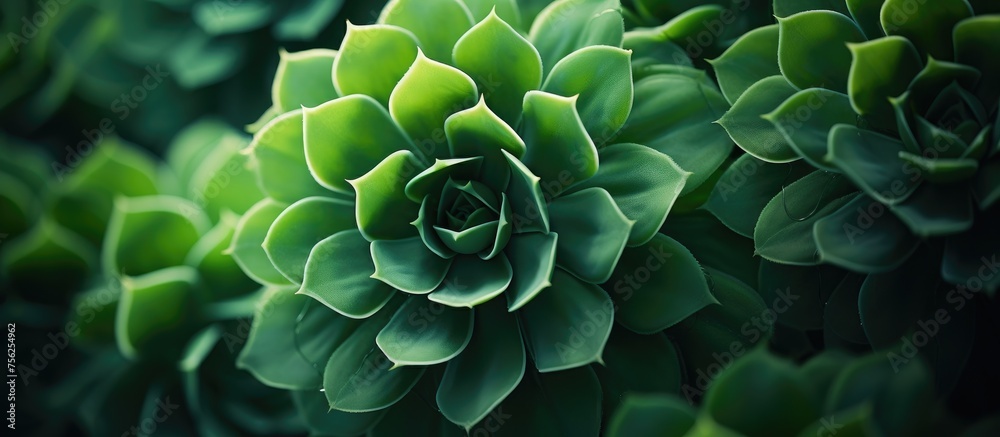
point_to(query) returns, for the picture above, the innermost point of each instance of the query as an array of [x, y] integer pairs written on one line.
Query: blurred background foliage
[[151, 66]]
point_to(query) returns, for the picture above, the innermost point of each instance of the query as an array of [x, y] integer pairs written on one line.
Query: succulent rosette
[[871, 136], [160, 319], [833, 392], [463, 206]]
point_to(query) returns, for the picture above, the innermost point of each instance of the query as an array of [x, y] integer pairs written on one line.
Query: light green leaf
[[784, 232], [150, 233], [472, 281], [423, 99], [657, 285], [601, 77], [300, 227], [559, 150], [408, 265], [864, 236], [753, 57], [672, 112], [812, 50], [423, 333], [383, 210], [805, 120], [303, 79], [592, 232], [223, 181], [527, 203], [568, 324], [872, 161], [747, 127], [437, 24], [504, 65], [488, 370], [929, 26], [359, 378], [644, 183], [247, 247], [372, 60], [157, 313], [568, 25], [882, 68], [279, 155], [339, 272], [533, 258], [478, 132], [337, 149], [507, 10]]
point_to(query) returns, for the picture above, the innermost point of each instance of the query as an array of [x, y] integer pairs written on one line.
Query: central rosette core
[[468, 216], [460, 213]]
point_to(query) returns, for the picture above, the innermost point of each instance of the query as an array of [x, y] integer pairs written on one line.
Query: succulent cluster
[[479, 203], [831, 394], [509, 217], [896, 111]]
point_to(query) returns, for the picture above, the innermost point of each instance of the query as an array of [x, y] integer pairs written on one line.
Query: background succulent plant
[[870, 132], [831, 394], [154, 315], [71, 64]]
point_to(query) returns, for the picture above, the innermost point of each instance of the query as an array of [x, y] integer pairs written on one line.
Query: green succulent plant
[[459, 217], [877, 98], [831, 394], [871, 136], [124, 259]]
